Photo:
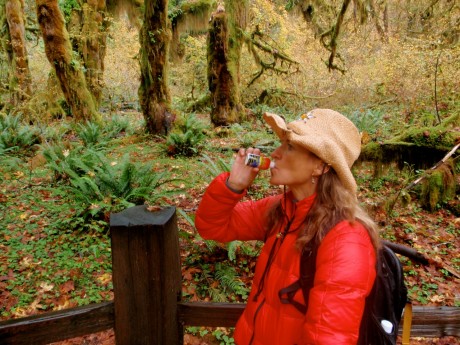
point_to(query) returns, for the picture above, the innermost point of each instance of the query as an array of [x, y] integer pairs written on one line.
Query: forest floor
[[46, 266]]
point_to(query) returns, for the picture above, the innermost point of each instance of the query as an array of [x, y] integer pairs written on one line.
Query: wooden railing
[[147, 287]]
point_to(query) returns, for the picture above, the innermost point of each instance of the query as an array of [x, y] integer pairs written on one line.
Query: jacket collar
[[296, 211]]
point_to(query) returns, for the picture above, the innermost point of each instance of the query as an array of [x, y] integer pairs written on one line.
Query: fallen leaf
[[67, 286], [105, 279]]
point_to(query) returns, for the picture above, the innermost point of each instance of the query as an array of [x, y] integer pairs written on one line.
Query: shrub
[[367, 120], [90, 133], [187, 140], [69, 161], [16, 137]]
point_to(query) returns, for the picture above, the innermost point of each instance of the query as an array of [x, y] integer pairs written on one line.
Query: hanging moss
[[189, 17], [199, 8]]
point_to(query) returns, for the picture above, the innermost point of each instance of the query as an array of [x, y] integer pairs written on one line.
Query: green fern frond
[[232, 247], [228, 278], [217, 295], [212, 168], [187, 139]]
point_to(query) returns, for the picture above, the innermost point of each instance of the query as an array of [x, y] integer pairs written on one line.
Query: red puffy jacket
[[345, 271]]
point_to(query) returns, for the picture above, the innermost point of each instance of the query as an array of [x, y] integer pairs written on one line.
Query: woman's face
[[294, 167]]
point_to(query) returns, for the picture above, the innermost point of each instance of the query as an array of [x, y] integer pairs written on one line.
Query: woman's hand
[[241, 175]]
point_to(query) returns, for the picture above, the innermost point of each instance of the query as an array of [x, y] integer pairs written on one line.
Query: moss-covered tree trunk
[[155, 38], [6, 51], [19, 75], [224, 52], [88, 32], [68, 70]]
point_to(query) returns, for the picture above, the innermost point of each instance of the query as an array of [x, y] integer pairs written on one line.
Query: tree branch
[[333, 33], [252, 42]]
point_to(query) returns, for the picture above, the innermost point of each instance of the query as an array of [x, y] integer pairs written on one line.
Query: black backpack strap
[[305, 281], [286, 296]]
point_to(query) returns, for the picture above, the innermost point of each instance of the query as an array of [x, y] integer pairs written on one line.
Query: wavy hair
[[333, 204]]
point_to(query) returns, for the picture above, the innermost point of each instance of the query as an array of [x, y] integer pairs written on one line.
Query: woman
[[313, 162]]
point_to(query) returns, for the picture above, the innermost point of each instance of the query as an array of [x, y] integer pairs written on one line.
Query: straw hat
[[326, 133]]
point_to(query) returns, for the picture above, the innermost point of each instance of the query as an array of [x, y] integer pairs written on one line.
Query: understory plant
[[213, 167], [186, 140], [113, 185], [369, 120], [16, 137], [90, 133], [99, 185], [66, 160]]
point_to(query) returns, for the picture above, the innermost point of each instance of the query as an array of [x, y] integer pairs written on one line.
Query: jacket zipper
[[281, 236]]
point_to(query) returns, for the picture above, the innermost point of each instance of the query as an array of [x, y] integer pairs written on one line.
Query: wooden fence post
[[146, 276]]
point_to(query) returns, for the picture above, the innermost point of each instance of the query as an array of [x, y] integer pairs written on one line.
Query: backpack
[[386, 300]]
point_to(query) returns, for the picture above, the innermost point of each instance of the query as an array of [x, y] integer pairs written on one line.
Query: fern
[[116, 126], [100, 184], [86, 190], [70, 162], [217, 295], [186, 141], [16, 137], [212, 168], [232, 247], [90, 133], [229, 280]]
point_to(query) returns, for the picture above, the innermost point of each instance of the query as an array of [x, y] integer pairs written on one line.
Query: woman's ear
[[321, 168]]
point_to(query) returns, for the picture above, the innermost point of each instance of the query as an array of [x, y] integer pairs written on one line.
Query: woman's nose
[[275, 154]]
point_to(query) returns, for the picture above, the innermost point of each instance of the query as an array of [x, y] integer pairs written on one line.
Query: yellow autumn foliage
[[398, 69]]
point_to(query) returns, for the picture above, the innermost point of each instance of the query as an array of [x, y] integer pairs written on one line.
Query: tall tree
[[88, 27], [6, 49], [225, 40], [154, 96], [68, 70], [14, 42]]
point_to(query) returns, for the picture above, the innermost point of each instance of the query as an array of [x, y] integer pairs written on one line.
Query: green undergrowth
[[57, 194]]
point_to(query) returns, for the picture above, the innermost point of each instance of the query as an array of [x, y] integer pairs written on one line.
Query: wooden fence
[[147, 307]]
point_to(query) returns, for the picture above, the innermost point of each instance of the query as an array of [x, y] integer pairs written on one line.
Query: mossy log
[[422, 148], [439, 186], [419, 147]]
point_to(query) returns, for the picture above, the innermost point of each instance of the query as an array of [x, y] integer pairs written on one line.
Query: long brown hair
[[333, 203]]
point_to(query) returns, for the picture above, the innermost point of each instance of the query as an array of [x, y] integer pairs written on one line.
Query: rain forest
[[106, 105]]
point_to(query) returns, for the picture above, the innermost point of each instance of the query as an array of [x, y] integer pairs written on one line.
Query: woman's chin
[[274, 181]]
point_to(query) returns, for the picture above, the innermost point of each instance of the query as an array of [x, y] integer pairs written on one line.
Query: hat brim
[[279, 126]]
